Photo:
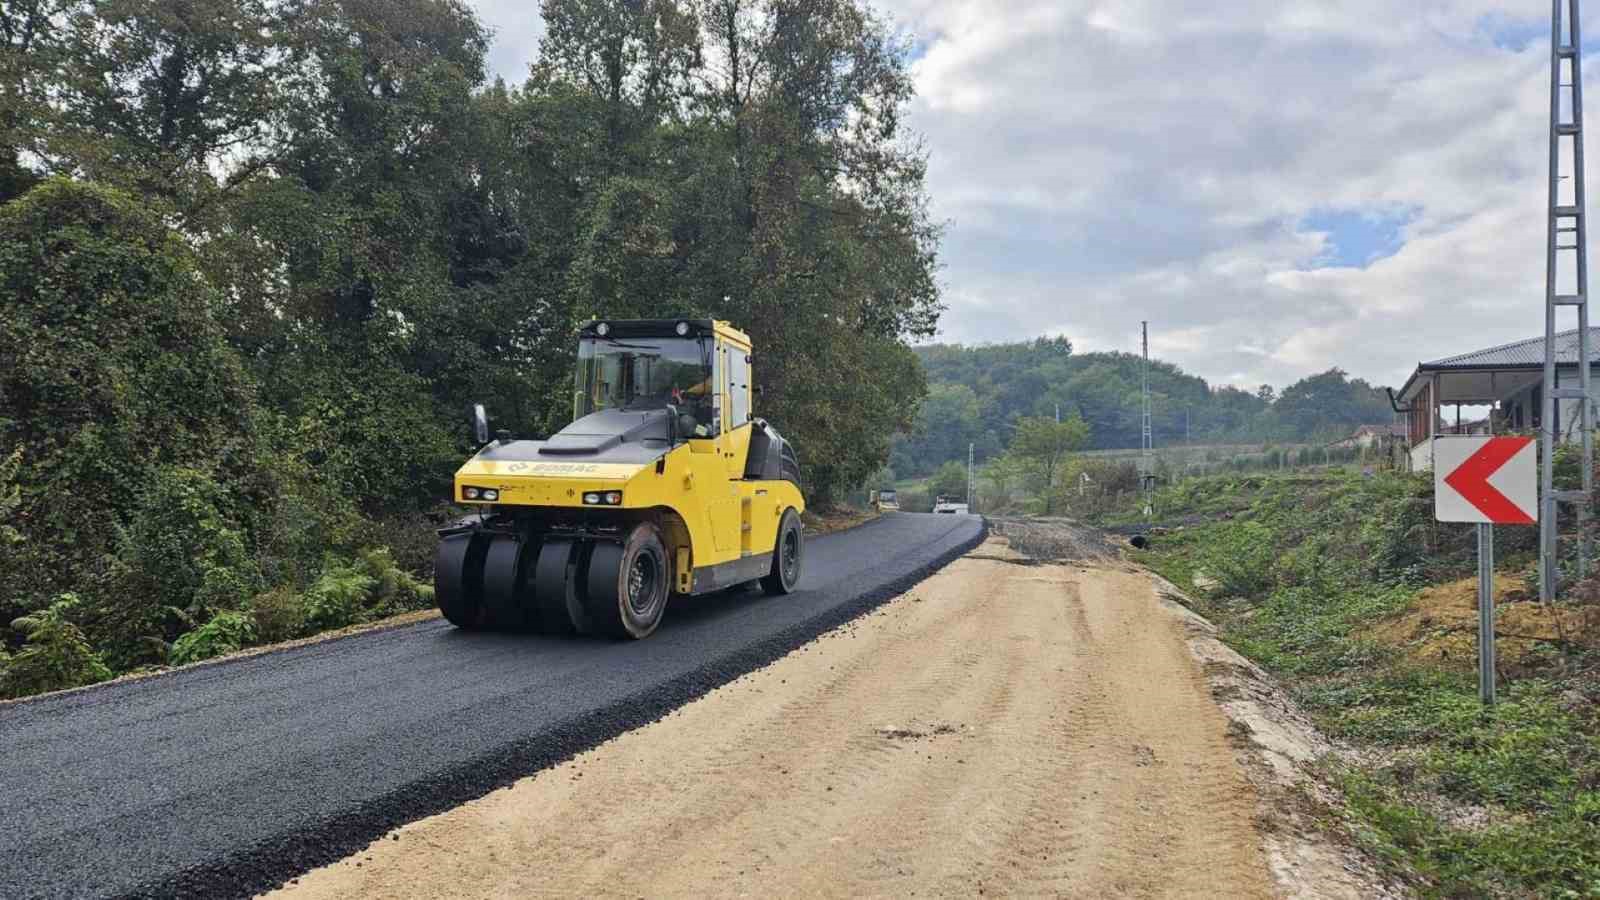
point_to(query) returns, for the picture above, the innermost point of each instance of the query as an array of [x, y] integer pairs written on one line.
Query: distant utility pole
[[1147, 470], [1567, 217], [972, 501]]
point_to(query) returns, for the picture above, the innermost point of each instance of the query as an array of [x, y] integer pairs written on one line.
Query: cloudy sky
[[1279, 186]]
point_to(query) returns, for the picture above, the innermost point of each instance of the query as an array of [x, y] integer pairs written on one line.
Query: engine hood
[[611, 432], [610, 445]]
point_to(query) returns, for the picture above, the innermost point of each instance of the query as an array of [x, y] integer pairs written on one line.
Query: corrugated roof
[[1521, 353]]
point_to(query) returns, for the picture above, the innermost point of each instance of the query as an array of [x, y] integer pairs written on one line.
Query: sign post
[[1486, 614], [1487, 481]]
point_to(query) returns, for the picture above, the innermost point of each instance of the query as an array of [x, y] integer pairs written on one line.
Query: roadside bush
[[1241, 560], [411, 537], [336, 598], [916, 500], [227, 632], [184, 546], [393, 590], [278, 614], [55, 656]]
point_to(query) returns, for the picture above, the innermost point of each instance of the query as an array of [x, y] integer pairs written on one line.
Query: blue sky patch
[[916, 43], [1356, 238], [1513, 33]]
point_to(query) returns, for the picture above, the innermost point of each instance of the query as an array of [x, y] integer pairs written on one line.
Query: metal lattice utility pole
[[972, 500], [1567, 219], [1147, 471]]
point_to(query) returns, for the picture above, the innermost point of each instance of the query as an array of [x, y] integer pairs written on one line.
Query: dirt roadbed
[[1005, 728]]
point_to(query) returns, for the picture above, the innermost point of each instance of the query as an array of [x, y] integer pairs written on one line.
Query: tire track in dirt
[[1005, 729]]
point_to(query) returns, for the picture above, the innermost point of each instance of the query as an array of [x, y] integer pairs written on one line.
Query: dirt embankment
[[1441, 626], [1006, 728]]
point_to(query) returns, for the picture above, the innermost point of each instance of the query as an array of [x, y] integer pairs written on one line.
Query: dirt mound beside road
[[1441, 625], [1054, 539]]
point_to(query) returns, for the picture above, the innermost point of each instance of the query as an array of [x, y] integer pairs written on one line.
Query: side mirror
[[480, 423]]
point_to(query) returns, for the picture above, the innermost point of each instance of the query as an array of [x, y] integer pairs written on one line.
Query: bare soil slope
[[1004, 728]]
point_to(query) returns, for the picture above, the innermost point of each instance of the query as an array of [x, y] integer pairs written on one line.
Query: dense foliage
[[260, 256], [976, 395]]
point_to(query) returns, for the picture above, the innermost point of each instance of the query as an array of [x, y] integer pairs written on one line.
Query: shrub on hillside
[[55, 655], [183, 555], [278, 614], [336, 598], [1241, 560], [227, 632]]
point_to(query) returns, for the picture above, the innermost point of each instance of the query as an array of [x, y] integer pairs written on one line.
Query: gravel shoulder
[[1009, 726]]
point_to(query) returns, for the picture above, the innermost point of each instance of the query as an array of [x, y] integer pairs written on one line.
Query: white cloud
[[1107, 162]]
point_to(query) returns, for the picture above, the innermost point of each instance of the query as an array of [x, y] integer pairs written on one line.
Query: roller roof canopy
[[664, 328], [1490, 375]]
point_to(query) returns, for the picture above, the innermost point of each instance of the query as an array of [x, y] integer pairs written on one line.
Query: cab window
[[738, 387]]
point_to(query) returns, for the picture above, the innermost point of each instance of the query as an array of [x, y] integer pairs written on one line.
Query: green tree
[[1329, 405], [116, 368], [1004, 473], [732, 204], [175, 100], [949, 481], [1042, 445]]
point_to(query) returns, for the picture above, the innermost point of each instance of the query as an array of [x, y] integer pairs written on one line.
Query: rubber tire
[[505, 579], [458, 579], [784, 579], [607, 581], [556, 589]]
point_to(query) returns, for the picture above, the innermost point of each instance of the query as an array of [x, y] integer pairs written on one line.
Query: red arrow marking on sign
[[1471, 480]]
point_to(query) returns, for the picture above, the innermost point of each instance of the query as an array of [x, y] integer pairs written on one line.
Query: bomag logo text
[[555, 468]]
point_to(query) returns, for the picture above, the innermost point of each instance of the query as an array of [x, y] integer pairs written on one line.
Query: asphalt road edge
[[275, 862]]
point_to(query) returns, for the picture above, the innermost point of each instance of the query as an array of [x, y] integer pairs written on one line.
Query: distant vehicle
[[945, 505], [884, 501]]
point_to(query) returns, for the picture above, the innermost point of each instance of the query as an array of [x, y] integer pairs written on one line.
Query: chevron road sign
[[1485, 479]]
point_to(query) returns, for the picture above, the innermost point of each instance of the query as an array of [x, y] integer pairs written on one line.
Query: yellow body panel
[[727, 518]]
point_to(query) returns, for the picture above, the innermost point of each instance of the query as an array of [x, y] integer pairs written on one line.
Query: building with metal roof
[[1509, 378]]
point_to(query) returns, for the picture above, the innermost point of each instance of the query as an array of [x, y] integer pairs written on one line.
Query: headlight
[[602, 329], [614, 498], [491, 494], [609, 498], [591, 498], [683, 329], [470, 493]]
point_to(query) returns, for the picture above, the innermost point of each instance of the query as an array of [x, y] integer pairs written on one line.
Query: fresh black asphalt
[[224, 779]]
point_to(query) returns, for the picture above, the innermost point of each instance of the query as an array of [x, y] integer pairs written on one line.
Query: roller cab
[[664, 484]]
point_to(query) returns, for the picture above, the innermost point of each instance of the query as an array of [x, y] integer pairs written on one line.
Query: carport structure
[[1509, 378]]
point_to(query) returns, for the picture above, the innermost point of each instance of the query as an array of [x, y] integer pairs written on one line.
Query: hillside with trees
[[260, 256], [977, 395]]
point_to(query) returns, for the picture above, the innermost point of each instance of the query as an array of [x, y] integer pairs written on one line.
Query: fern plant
[[56, 654]]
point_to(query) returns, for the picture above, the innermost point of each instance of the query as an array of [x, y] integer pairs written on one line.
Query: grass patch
[[1303, 574]]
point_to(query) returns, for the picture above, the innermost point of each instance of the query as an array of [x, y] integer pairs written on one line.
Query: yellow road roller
[[665, 483]]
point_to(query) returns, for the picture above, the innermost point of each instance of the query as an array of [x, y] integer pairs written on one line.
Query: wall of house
[[1422, 457]]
